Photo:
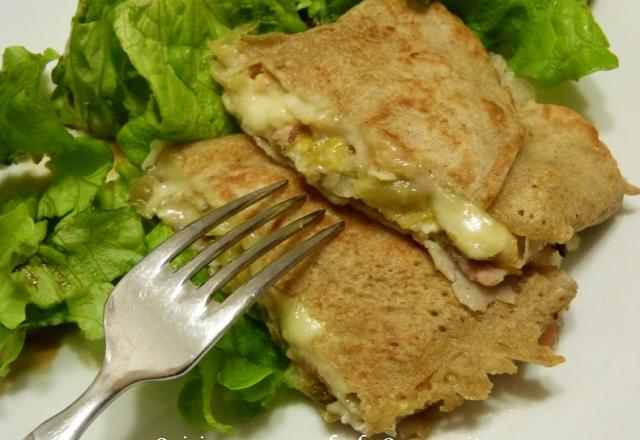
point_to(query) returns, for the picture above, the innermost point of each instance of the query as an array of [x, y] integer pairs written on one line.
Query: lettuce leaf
[[79, 171], [69, 279], [237, 378], [20, 236], [166, 42], [101, 89], [60, 250], [80, 260], [11, 343], [28, 125], [139, 71], [545, 41], [29, 128], [70, 276], [325, 11]]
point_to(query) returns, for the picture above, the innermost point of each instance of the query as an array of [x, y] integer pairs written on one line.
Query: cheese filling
[[300, 329], [264, 108], [469, 227], [165, 192], [297, 325], [330, 163]]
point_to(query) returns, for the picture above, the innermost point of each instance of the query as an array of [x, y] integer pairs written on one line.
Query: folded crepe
[[562, 181], [399, 110], [374, 331], [564, 178], [396, 105]]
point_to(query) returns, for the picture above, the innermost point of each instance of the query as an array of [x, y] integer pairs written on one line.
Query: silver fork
[[158, 324]]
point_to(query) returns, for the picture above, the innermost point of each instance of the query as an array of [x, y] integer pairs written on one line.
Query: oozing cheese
[[469, 227], [263, 108], [168, 194], [298, 327], [330, 163]]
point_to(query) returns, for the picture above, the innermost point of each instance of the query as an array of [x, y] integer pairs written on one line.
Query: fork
[[158, 324]]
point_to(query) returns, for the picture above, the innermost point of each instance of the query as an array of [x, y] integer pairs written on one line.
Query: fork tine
[[182, 239], [225, 313], [236, 234], [226, 274]]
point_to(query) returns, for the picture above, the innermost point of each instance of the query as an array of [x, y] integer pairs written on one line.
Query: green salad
[[137, 72]]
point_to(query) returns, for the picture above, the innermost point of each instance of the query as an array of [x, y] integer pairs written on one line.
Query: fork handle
[[70, 423]]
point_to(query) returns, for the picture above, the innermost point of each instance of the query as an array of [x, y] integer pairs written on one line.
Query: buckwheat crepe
[[399, 110], [564, 178], [397, 105], [373, 329], [562, 181]]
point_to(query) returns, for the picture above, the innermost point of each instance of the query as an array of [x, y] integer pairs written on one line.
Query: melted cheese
[[348, 414], [469, 227], [331, 164], [299, 328], [263, 108], [165, 192]]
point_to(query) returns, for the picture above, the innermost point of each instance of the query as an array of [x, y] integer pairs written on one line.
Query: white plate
[[591, 396]]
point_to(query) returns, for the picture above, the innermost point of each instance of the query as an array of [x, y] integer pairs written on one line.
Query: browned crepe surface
[[564, 178], [419, 88], [412, 82], [393, 331]]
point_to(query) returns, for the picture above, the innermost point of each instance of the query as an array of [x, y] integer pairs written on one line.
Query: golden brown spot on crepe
[[255, 70], [499, 165], [551, 335], [495, 112], [424, 57], [413, 102], [563, 180], [464, 174]]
